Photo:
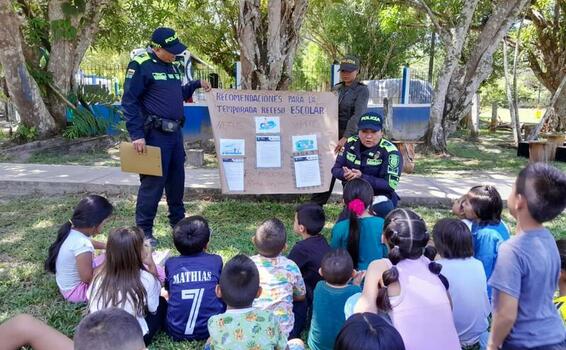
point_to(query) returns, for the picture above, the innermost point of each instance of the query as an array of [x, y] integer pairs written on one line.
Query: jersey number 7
[[196, 295]]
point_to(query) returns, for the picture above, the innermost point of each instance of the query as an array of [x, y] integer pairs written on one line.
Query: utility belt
[[163, 124]]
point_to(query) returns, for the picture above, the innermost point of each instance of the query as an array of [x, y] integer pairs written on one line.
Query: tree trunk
[[268, 43], [493, 123], [23, 90], [510, 99], [475, 118], [68, 50]]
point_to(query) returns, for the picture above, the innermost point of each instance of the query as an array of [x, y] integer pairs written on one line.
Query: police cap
[[167, 39]]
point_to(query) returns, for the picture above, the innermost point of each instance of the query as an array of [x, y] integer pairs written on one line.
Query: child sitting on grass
[[483, 206], [71, 256], [467, 281], [280, 278], [360, 231], [191, 281], [330, 297], [307, 254], [526, 273], [128, 280], [242, 326]]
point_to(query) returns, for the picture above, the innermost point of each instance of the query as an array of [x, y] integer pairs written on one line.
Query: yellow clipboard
[[147, 163]]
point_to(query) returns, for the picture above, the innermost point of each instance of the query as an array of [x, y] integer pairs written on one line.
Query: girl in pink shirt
[[411, 290]]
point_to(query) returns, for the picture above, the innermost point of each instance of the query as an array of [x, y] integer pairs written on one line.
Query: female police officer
[[371, 157]]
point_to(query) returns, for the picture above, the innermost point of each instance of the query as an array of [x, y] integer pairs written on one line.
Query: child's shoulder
[[201, 259]]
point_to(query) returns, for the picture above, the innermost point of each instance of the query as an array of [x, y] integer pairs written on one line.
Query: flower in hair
[[357, 206]]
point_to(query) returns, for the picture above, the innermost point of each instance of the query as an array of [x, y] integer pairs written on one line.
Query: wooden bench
[[407, 150]]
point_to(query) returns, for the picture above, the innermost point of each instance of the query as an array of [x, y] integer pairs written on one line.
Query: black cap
[[370, 120], [166, 38], [349, 64]]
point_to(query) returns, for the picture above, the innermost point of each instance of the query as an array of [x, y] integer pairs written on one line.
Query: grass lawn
[[493, 152], [29, 225]]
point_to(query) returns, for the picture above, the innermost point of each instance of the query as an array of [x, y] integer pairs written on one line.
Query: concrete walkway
[[49, 180]]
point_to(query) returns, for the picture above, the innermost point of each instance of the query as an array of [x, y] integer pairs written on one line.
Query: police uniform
[[352, 103], [153, 106], [380, 165]]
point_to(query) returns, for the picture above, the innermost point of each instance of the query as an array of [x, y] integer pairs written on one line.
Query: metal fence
[[111, 79]]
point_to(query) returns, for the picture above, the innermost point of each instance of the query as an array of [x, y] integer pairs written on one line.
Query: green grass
[[493, 152], [526, 115], [106, 157], [29, 225]]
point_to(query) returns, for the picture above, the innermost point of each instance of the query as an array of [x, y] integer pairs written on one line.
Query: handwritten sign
[[297, 124]]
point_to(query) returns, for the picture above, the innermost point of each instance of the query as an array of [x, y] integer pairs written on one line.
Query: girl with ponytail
[[71, 256], [409, 288], [360, 231]]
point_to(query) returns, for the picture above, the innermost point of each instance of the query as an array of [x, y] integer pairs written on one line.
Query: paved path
[[47, 180]]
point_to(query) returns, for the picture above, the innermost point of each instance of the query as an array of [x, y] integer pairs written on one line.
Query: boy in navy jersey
[[191, 280]]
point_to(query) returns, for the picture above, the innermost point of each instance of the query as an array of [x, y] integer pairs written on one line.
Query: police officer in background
[[369, 156], [352, 103], [153, 107]]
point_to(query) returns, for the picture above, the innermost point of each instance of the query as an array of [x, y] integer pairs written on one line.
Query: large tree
[[546, 51], [42, 44], [268, 33], [383, 37], [470, 32]]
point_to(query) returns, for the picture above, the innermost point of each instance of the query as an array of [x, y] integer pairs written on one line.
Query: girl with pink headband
[[360, 231]]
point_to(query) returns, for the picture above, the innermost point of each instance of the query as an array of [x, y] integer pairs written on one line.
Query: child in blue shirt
[[307, 254], [330, 296], [483, 206], [526, 273], [360, 231], [191, 281]]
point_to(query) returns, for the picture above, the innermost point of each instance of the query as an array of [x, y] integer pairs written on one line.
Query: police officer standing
[[153, 107], [369, 156], [352, 103]]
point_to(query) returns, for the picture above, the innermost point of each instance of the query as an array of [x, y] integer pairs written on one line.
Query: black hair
[[311, 216], [407, 232], [368, 331], [191, 235], [453, 239], [544, 188], [337, 267], [362, 190], [90, 212], [270, 238], [239, 282], [108, 329], [561, 244], [486, 203]]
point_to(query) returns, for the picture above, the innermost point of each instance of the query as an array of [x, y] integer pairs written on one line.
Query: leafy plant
[[25, 133], [86, 122]]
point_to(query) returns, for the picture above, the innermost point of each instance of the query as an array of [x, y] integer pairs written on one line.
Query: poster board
[[274, 142]]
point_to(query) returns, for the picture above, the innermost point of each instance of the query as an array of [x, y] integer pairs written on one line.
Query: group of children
[[381, 283]]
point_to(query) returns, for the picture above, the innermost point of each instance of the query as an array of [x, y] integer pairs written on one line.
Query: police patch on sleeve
[[130, 73], [393, 163]]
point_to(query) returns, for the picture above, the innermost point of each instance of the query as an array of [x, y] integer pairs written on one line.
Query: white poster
[[307, 171], [267, 125], [232, 147], [268, 151], [304, 143], [234, 173]]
